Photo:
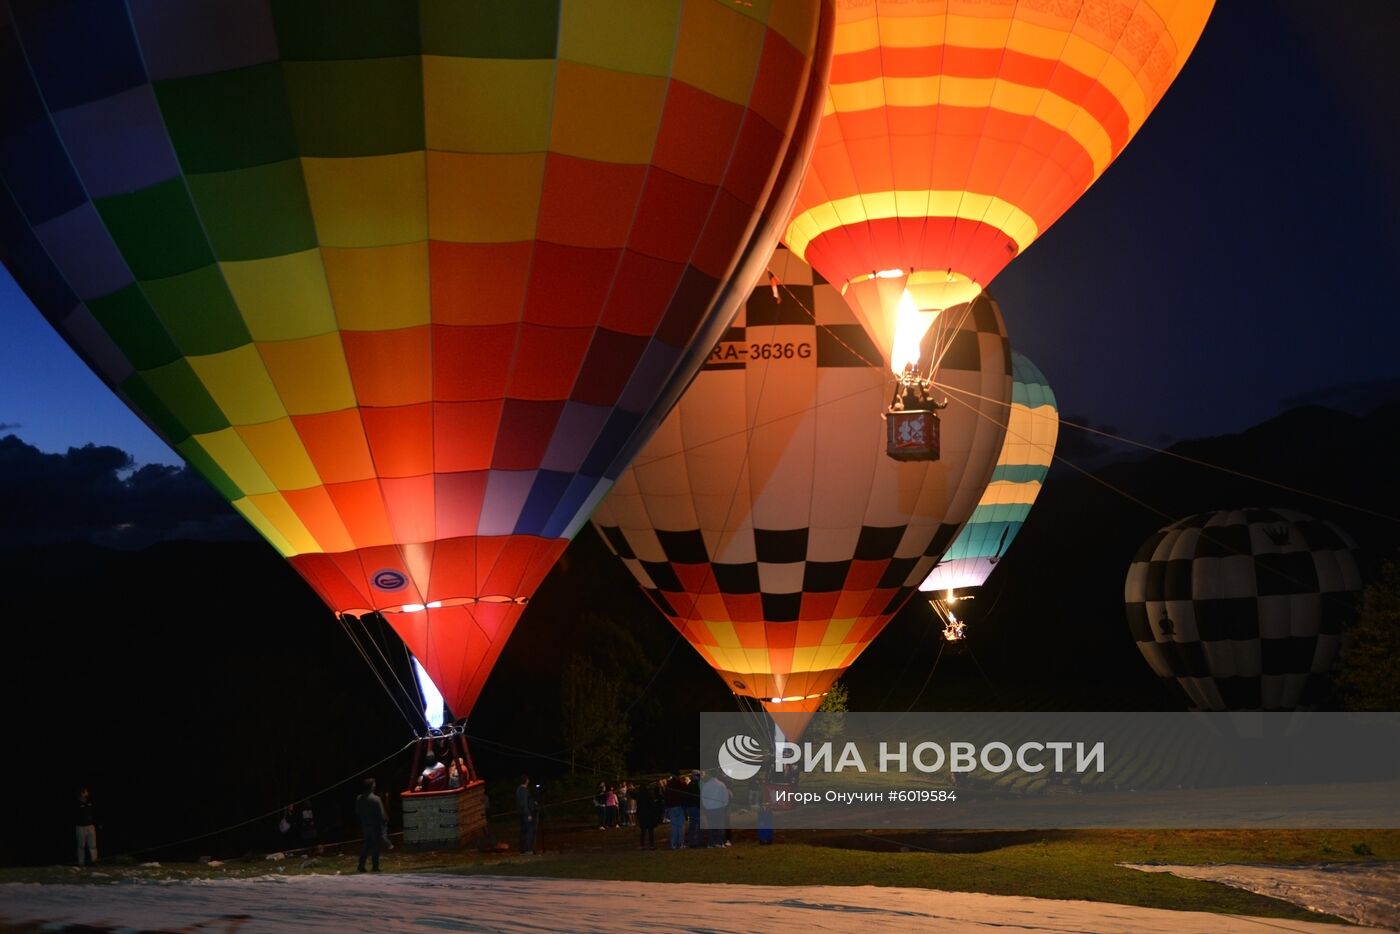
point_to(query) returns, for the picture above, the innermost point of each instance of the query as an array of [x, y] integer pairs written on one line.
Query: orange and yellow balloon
[[955, 132]]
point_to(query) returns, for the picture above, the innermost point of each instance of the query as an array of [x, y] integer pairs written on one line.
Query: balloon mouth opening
[[401, 608], [911, 301], [793, 699]]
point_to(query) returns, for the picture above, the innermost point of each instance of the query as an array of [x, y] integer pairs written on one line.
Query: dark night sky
[[1239, 254]]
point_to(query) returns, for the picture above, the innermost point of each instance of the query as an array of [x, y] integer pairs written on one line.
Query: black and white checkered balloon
[[1244, 609]]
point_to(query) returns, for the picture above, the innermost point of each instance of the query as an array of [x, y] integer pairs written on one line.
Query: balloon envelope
[[764, 518], [403, 280], [1244, 609], [957, 131], [1025, 459]]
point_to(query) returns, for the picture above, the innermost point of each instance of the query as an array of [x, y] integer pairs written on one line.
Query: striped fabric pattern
[[404, 279], [955, 132], [1031, 431], [764, 518], [1244, 609]]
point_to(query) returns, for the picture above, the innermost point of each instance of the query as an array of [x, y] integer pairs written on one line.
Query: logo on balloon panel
[[740, 757], [389, 580]]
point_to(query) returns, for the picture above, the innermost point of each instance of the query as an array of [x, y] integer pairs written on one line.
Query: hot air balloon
[[404, 280], [1031, 430], [763, 518], [956, 131], [1244, 609]]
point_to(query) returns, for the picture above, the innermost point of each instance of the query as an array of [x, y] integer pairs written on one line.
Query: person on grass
[[85, 825], [528, 808], [645, 802], [675, 811], [714, 801], [374, 824]]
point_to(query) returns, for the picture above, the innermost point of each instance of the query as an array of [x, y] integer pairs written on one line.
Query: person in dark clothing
[[306, 826], [648, 812], [374, 822], [528, 809], [85, 823], [287, 828], [675, 810], [600, 805], [690, 791]]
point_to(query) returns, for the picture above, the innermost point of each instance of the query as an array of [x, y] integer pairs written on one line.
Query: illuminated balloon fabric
[[401, 279], [1244, 609], [764, 518], [1025, 459], [957, 131]]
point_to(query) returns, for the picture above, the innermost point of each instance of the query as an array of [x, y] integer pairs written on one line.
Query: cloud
[[10, 426], [93, 494]]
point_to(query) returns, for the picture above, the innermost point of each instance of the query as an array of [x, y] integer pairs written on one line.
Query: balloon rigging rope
[[279, 810], [917, 697], [995, 691], [909, 660], [374, 670], [410, 695], [1329, 595], [1190, 460], [393, 698], [877, 364], [938, 360], [927, 678], [1110, 435]]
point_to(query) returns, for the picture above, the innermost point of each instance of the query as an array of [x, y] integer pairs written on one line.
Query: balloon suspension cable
[[943, 340], [414, 716], [954, 629], [913, 701], [914, 387], [269, 814], [895, 683], [1254, 478], [1161, 513], [409, 690]]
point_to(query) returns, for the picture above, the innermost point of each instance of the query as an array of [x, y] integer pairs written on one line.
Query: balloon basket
[[912, 435], [455, 817]]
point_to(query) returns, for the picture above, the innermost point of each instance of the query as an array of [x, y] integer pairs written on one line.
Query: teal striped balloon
[[1025, 460]]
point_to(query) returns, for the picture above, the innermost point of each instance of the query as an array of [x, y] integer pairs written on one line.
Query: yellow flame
[[910, 326]]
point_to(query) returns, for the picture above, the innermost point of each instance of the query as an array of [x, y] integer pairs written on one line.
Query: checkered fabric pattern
[[1244, 609], [764, 518], [404, 279]]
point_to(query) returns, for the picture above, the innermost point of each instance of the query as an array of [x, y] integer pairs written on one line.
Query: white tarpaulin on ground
[[1366, 893], [422, 901]]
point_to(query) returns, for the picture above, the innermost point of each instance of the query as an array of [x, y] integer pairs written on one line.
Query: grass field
[[1044, 864]]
